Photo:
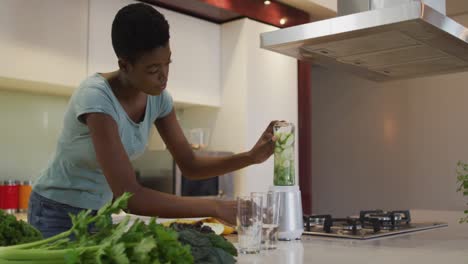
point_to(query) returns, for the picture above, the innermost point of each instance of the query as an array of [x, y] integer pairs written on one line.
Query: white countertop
[[443, 245]]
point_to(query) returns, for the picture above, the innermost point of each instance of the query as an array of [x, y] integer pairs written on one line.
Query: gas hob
[[369, 224]]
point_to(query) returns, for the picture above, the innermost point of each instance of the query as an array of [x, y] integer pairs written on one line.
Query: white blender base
[[290, 235], [291, 225]]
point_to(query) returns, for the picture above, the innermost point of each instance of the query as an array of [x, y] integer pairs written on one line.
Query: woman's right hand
[[226, 211]]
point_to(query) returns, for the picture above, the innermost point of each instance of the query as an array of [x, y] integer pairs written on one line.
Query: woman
[[107, 124]]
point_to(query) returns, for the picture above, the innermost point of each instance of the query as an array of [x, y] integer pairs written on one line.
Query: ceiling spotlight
[[267, 2], [283, 21]]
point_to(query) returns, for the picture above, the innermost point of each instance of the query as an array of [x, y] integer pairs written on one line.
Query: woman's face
[[149, 73]]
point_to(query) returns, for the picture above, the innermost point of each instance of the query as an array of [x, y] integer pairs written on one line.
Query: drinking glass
[[249, 224], [270, 218], [199, 138]]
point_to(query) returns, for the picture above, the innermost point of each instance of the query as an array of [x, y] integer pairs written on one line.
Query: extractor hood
[[388, 42]]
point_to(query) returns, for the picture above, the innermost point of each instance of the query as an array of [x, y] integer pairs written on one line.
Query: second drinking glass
[[270, 218]]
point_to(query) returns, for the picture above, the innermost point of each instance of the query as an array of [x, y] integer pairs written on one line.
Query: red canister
[[11, 196]]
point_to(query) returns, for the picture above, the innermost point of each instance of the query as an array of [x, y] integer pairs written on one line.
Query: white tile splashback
[[30, 126]]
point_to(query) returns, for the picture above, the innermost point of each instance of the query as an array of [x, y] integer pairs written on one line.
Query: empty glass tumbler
[[249, 224], [270, 218]]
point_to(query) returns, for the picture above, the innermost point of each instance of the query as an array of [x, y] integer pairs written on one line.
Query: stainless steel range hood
[[398, 42]]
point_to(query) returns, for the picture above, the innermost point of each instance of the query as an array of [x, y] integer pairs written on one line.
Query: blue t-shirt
[[73, 175]]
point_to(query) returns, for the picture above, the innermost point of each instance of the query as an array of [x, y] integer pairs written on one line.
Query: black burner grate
[[372, 220]]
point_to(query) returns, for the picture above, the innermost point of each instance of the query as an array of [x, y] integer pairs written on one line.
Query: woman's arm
[[195, 167], [120, 176]]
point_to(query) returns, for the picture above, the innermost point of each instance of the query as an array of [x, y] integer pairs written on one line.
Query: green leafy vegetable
[[462, 180], [13, 232], [208, 248], [284, 159], [120, 243], [221, 243]]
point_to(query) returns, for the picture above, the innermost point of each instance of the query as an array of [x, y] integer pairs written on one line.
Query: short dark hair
[[138, 28]]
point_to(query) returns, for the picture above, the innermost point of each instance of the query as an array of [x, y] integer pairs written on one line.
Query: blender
[[290, 220]]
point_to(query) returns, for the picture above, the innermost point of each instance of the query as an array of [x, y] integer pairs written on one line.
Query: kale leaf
[[13, 232]]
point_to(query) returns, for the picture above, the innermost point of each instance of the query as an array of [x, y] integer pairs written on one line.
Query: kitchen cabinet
[[43, 42], [194, 75]]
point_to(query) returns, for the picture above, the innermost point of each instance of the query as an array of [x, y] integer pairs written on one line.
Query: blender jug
[[291, 224], [284, 154]]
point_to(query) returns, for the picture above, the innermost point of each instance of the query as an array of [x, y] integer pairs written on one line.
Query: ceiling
[[318, 9], [323, 9], [222, 11]]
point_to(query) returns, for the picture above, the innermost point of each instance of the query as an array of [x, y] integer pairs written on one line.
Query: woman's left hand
[[226, 211], [264, 146]]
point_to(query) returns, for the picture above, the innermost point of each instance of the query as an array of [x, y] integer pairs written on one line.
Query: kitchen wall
[[271, 95], [257, 86], [30, 127], [389, 145]]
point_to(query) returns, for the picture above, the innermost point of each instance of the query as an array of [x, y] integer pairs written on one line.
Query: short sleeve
[[93, 99], [166, 104]]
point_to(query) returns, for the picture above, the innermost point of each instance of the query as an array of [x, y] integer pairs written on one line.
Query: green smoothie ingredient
[[284, 159]]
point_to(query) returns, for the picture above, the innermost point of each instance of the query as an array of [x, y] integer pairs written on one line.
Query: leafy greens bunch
[[13, 232], [120, 243], [206, 246], [462, 180]]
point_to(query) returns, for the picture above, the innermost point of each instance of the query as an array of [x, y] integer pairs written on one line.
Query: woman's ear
[[123, 65]]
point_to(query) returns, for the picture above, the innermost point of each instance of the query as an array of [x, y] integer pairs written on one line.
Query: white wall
[[30, 128], [271, 95], [257, 86], [230, 129], [437, 139], [390, 145]]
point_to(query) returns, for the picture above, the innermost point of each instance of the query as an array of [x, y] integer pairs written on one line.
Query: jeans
[[50, 217]]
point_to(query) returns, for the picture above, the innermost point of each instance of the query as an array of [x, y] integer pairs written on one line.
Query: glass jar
[[284, 174]]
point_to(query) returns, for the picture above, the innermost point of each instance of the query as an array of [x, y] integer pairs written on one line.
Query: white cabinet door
[[44, 41], [196, 54], [194, 75]]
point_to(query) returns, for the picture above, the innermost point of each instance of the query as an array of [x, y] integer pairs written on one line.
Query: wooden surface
[[21, 216]]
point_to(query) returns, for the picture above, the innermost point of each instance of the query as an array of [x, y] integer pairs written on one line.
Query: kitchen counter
[[443, 245]]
